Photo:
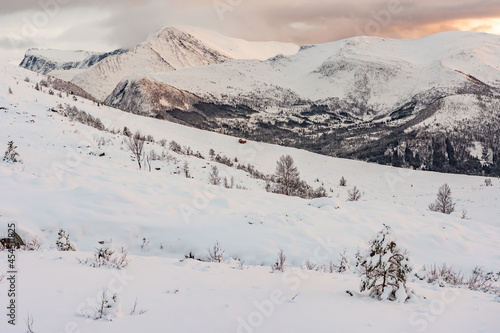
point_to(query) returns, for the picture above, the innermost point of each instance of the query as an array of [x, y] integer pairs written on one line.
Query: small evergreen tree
[[63, 243], [11, 155], [343, 182], [384, 268], [444, 203]]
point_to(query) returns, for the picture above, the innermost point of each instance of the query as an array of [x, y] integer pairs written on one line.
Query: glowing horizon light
[[491, 26]]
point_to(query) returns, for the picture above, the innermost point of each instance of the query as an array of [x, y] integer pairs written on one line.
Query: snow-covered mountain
[[173, 49], [84, 180], [367, 97], [364, 76], [61, 62]]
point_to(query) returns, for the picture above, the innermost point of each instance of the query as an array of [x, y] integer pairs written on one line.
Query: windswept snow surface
[[161, 216]]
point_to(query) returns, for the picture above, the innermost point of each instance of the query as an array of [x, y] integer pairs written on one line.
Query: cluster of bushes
[[74, 114]]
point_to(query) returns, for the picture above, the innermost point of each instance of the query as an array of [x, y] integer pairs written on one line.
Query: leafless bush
[[344, 263], [186, 170], [479, 280], [10, 91], [107, 257], [280, 263], [134, 310], [216, 253], [488, 182], [30, 323], [162, 142], [175, 147], [310, 265], [354, 194], [213, 177], [32, 245], [136, 145], [443, 275]]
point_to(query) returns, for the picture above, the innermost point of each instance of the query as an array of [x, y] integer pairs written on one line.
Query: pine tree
[[11, 155], [63, 243], [384, 268]]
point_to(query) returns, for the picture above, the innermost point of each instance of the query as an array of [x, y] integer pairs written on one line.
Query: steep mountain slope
[[172, 49], [58, 62]]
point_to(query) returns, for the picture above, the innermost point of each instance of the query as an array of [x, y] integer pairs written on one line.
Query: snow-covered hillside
[[84, 180]]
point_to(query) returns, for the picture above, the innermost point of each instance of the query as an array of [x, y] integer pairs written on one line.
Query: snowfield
[[85, 181]]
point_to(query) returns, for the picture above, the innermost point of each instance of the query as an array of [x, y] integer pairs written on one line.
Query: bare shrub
[[310, 265], [136, 145], [105, 256], [134, 310], [216, 253], [354, 194], [213, 177], [175, 147], [444, 203], [32, 245], [186, 170], [488, 182], [280, 263], [30, 323]]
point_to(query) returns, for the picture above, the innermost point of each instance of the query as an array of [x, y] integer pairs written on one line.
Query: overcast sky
[[100, 25]]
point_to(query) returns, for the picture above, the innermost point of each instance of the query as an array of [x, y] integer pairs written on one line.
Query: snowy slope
[[371, 74], [236, 48], [161, 216], [173, 49]]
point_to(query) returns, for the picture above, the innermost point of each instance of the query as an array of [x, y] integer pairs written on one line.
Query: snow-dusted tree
[[135, 144], [63, 243], [342, 181], [216, 253], [11, 155], [354, 194], [287, 175], [384, 268], [444, 203], [214, 177]]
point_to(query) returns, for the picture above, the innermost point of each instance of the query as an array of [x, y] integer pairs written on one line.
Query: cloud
[[96, 24]]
